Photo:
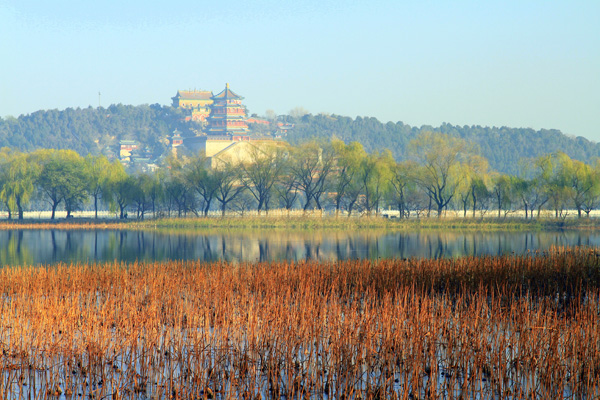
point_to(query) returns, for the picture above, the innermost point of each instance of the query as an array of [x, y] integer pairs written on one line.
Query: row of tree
[[502, 146], [443, 172], [99, 130]]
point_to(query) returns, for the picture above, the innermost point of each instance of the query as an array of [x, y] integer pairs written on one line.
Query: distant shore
[[300, 222]]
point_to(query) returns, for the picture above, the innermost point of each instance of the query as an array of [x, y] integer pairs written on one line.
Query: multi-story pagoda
[[227, 115], [226, 137]]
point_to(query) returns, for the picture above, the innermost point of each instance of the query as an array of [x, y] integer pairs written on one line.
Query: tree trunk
[[307, 204], [54, 205], [206, 208], [19, 208], [350, 207]]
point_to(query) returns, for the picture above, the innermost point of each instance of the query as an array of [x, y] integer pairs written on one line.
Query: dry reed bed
[[492, 327]]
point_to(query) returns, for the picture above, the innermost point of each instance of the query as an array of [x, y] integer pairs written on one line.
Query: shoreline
[[303, 223]]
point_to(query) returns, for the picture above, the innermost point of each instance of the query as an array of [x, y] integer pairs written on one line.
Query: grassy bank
[[492, 327], [304, 223], [367, 223]]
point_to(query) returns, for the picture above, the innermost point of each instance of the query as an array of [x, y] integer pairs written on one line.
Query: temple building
[[226, 137], [198, 101], [227, 116], [126, 147]]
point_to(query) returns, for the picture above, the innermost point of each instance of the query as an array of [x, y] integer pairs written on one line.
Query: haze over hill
[[499, 63], [99, 130]]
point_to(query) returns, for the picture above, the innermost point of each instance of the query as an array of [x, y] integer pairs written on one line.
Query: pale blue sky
[[496, 63]]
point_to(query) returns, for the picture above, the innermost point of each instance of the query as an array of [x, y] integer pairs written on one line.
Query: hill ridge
[[98, 130]]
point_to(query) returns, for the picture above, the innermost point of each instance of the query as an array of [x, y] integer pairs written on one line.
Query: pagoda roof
[[194, 94], [227, 94]]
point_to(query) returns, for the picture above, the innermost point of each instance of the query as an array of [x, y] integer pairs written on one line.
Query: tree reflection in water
[[50, 246]]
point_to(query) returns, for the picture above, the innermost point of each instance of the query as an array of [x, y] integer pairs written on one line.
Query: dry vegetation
[[506, 327], [310, 222], [60, 225]]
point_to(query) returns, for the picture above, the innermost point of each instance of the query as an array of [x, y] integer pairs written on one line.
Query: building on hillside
[[257, 121], [226, 137], [197, 101], [283, 129], [176, 139], [126, 147], [227, 115], [223, 149]]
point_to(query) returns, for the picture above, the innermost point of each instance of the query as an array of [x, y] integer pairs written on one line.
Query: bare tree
[[227, 184], [201, 180], [260, 172], [311, 165]]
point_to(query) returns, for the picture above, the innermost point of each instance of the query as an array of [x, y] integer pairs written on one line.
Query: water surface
[[52, 246]]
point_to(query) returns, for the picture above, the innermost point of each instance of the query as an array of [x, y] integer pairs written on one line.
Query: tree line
[[99, 130], [502, 146], [442, 173]]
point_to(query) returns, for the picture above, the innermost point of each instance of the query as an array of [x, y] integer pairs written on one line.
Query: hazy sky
[[514, 63]]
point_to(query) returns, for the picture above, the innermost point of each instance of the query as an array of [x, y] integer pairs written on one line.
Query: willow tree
[[96, 168], [312, 164], [118, 189], [480, 182], [198, 176], [402, 186], [375, 174], [439, 157], [286, 187], [18, 173], [345, 175], [580, 180], [533, 186], [227, 183], [62, 178], [260, 172], [503, 191]]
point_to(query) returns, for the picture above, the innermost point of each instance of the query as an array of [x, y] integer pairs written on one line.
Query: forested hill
[[503, 147], [92, 130], [98, 130]]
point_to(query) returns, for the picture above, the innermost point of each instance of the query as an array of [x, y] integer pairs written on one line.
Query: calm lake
[[51, 246]]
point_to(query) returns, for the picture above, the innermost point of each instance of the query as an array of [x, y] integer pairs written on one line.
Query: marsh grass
[[489, 327], [368, 223], [309, 223], [63, 225]]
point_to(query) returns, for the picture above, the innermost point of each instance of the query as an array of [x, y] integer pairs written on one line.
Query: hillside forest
[[98, 131], [442, 172]]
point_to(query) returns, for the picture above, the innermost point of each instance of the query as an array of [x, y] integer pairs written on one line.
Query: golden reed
[[503, 327]]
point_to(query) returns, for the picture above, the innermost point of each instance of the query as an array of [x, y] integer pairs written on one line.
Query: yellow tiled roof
[[194, 94], [227, 94]]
